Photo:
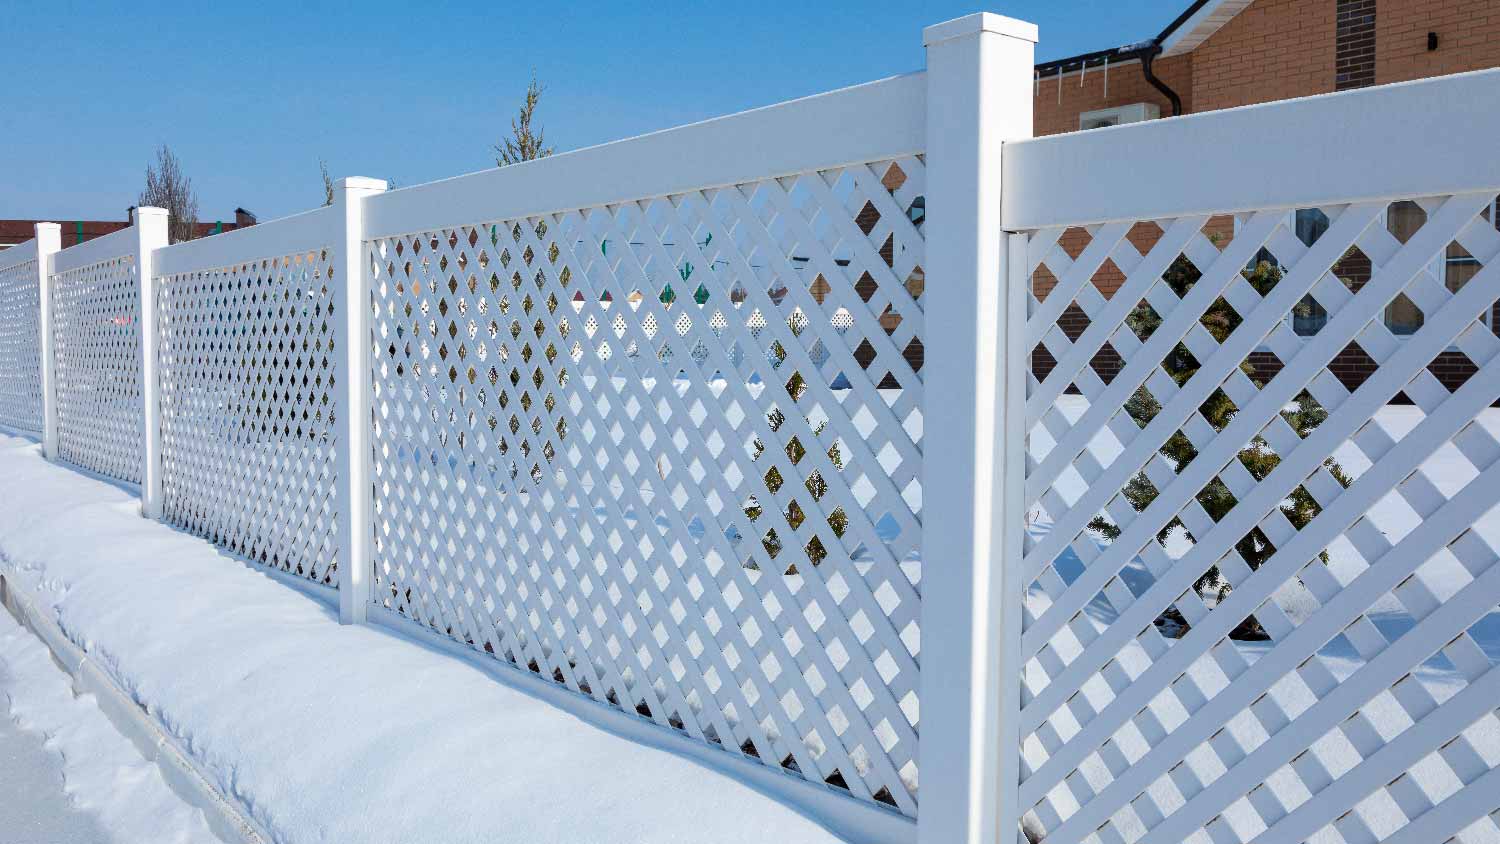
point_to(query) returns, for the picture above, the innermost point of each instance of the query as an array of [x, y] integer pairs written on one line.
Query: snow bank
[[102, 773], [326, 733]]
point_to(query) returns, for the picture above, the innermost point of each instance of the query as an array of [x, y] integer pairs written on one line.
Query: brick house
[[75, 232], [1226, 53]]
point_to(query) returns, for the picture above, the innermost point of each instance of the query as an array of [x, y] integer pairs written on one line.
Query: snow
[[33, 806], [66, 774], [330, 733]]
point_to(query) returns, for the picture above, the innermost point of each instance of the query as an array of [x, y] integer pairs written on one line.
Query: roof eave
[[1198, 24]]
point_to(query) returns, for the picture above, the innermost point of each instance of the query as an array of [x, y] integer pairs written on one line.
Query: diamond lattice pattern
[[667, 454], [247, 410], [1261, 604], [20, 348], [97, 327]]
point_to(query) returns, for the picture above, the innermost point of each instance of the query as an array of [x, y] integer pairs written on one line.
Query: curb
[[226, 816]]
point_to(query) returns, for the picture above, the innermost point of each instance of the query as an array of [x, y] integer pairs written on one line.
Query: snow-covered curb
[[224, 816], [103, 775], [328, 733]]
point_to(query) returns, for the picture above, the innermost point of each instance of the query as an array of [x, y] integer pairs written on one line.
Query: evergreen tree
[[526, 143], [327, 183], [1304, 415]]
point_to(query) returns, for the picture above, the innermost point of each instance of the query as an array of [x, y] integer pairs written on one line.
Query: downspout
[[1148, 55]]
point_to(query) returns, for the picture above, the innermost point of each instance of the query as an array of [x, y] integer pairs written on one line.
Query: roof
[[1192, 27], [1200, 21]]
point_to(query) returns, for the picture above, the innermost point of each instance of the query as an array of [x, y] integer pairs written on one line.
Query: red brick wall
[[1272, 50], [1279, 49], [1351, 366], [15, 231], [75, 232], [1127, 85], [1468, 38], [1107, 280], [20, 231]]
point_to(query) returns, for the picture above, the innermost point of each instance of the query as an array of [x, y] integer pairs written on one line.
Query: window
[[1134, 113], [1453, 268], [1309, 224], [1308, 317], [917, 213], [1403, 219], [1458, 265]]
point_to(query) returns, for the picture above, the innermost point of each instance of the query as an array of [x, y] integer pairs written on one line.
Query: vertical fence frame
[[150, 226], [48, 243], [1358, 753], [982, 192], [352, 336], [978, 98], [979, 84]]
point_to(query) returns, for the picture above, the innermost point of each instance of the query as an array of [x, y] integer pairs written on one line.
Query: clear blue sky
[[250, 95]]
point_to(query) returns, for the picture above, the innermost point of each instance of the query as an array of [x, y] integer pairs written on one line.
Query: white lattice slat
[[20, 346], [1333, 684], [247, 381], [667, 453], [648, 425], [97, 325]]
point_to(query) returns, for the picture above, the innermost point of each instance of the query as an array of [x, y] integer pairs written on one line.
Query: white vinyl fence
[[20, 339], [248, 379], [676, 429], [1260, 606], [597, 463], [96, 312]]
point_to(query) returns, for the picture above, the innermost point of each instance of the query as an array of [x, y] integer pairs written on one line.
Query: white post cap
[[360, 183], [977, 23]]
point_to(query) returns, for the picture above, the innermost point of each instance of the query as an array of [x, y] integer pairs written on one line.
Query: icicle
[[1083, 71], [1036, 75], [1059, 84], [1106, 77]]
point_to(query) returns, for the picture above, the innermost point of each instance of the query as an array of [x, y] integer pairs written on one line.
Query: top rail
[[881, 119], [299, 232], [18, 254], [1412, 139], [112, 245]]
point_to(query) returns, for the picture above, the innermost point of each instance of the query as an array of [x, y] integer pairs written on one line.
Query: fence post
[[979, 72], [150, 226], [48, 243], [352, 459]]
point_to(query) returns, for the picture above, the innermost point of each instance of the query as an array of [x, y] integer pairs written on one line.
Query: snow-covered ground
[[66, 774], [330, 733], [33, 805]]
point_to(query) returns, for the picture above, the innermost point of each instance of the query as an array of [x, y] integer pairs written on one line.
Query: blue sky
[[250, 95]]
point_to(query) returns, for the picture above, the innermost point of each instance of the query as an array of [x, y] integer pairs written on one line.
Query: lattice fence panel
[[667, 453], [247, 410], [1262, 605], [98, 358], [20, 348]]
